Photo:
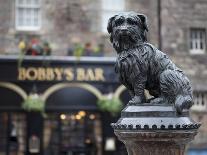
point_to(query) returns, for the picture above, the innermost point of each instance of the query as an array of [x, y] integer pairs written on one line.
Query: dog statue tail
[[183, 102]]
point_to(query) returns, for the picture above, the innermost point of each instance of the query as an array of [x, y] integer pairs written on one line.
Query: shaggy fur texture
[[142, 66]]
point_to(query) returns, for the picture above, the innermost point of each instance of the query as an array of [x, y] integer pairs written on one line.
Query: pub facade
[[72, 122]]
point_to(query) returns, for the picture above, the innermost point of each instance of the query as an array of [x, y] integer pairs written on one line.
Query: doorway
[[73, 133]]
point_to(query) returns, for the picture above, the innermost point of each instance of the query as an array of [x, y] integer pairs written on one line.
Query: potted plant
[[34, 103], [110, 103]]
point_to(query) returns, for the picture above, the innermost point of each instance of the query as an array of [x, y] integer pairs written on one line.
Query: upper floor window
[[28, 15], [109, 9], [197, 41]]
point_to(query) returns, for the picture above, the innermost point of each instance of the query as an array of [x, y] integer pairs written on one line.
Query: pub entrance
[[69, 133], [73, 133], [70, 89]]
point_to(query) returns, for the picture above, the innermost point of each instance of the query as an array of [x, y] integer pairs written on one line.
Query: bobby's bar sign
[[58, 74]]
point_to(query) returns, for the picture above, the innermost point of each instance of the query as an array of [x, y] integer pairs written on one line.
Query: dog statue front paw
[[136, 100]]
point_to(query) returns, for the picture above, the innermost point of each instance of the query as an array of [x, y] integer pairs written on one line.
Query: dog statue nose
[[124, 30]]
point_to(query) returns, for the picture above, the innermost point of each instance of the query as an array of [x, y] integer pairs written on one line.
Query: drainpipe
[[159, 15]]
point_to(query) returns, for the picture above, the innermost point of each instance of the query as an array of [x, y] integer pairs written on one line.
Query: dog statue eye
[[119, 22], [131, 22]]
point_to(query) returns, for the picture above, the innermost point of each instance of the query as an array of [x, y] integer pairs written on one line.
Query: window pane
[[20, 2], [201, 35], [20, 17], [110, 8], [18, 134], [35, 3], [195, 33], [36, 15], [113, 5], [191, 34], [20, 21], [29, 2], [28, 19], [191, 44], [201, 45], [196, 45]]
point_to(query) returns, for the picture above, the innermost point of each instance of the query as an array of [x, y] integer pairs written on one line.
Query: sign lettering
[[58, 74]]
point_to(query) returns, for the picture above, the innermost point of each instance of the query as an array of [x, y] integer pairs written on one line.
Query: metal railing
[[200, 101]]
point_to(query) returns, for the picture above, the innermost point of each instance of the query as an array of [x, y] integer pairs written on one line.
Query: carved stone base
[[155, 129], [156, 143]]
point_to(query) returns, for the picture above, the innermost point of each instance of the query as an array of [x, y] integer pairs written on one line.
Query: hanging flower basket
[[33, 47], [111, 104], [34, 103]]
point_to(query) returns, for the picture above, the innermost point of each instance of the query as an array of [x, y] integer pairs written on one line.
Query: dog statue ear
[[143, 18], [109, 26]]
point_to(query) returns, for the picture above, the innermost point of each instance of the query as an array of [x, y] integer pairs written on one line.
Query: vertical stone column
[[155, 130]]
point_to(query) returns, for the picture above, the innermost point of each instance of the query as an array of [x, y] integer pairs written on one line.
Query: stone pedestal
[[155, 130]]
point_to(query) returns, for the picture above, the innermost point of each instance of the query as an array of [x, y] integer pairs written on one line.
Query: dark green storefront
[[74, 124]]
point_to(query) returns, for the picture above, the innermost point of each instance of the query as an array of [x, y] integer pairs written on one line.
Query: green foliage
[[21, 57], [113, 105], [78, 52], [34, 103]]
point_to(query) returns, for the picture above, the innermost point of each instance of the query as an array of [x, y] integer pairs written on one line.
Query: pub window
[[197, 41], [109, 9], [28, 15]]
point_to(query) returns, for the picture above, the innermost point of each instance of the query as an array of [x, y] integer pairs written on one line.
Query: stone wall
[[68, 21], [65, 22], [178, 16], [62, 22], [5, 24]]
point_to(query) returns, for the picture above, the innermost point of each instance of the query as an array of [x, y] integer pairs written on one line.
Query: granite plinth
[[155, 129]]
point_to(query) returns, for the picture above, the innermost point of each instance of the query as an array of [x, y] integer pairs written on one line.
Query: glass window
[[13, 133], [28, 15], [73, 133], [109, 9], [197, 41]]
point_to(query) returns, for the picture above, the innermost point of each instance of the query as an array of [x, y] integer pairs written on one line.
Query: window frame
[[192, 41], [32, 27]]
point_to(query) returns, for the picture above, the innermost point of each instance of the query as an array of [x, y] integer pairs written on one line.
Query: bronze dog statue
[[142, 66]]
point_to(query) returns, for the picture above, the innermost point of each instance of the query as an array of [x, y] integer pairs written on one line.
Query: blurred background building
[[77, 28]]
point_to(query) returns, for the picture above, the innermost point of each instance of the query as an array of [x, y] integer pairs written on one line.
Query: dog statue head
[[127, 30]]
